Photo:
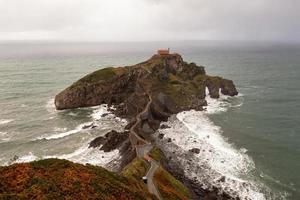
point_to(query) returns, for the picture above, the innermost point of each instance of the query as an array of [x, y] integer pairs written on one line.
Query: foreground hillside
[[62, 179]]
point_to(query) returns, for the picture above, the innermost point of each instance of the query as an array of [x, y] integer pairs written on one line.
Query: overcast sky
[[140, 20]]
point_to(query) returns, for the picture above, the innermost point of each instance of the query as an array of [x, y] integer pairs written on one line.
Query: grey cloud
[[150, 19]]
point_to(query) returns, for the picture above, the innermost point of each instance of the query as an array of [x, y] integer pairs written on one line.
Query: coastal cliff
[[144, 94], [147, 94], [173, 84]]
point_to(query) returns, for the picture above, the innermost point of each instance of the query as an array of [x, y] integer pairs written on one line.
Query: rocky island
[[145, 94]]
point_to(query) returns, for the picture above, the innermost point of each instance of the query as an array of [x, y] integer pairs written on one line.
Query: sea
[[259, 129]]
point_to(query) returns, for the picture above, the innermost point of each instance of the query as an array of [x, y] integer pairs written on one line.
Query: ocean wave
[[26, 158], [5, 121], [86, 155], [101, 112], [227, 160], [4, 137], [65, 134], [223, 103], [97, 116], [50, 107], [217, 157], [83, 155]]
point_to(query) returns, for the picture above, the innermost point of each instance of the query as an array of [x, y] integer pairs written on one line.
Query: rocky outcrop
[[195, 150], [112, 140], [216, 85], [153, 90], [173, 85]]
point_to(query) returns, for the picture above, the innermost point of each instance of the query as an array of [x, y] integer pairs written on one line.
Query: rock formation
[[152, 90], [173, 84]]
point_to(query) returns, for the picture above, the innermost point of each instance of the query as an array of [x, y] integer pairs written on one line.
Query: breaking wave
[[64, 134], [5, 121], [223, 103], [82, 155], [218, 164], [88, 155]]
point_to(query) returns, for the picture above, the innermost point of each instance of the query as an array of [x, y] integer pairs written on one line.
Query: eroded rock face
[[172, 84], [216, 85]]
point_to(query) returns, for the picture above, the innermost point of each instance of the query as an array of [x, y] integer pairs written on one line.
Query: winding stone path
[[142, 148]]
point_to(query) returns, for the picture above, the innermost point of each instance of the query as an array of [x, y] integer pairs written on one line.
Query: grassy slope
[[99, 76], [169, 187], [157, 154], [136, 169], [61, 179]]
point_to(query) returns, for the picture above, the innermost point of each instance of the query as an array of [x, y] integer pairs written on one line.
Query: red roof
[[163, 51]]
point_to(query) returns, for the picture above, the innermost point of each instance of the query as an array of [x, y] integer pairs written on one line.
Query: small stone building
[[163, 51]]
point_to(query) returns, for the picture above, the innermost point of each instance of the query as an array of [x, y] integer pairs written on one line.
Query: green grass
[[157, 154], [99, 76], [169, 187], [136, 169], [102, 74], [174, 79]]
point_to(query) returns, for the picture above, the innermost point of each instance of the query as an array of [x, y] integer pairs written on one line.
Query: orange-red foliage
[[61, 179]]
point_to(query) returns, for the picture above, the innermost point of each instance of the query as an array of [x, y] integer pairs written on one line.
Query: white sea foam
[[66, 133], [223, 103], [217, 158], [27, 158], [72, 114], [97, 115], [226, 159], [86, 155], [50, 107], [5, 121], [4, 137], [23, 106], [82, 155], [99, 111], [3, 133]]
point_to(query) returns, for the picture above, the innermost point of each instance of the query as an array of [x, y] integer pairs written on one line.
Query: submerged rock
[[195, 150], [164, 126], [111, 141]]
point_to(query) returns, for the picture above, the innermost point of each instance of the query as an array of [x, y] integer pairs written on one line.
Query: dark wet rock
[[147, 129], [164, 126], [222, 179], [161, 136], [197, 189], [195, 150], [130, 124], [89, 126], [169, 140], [111, 141], [97, 142], [104, 114]]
